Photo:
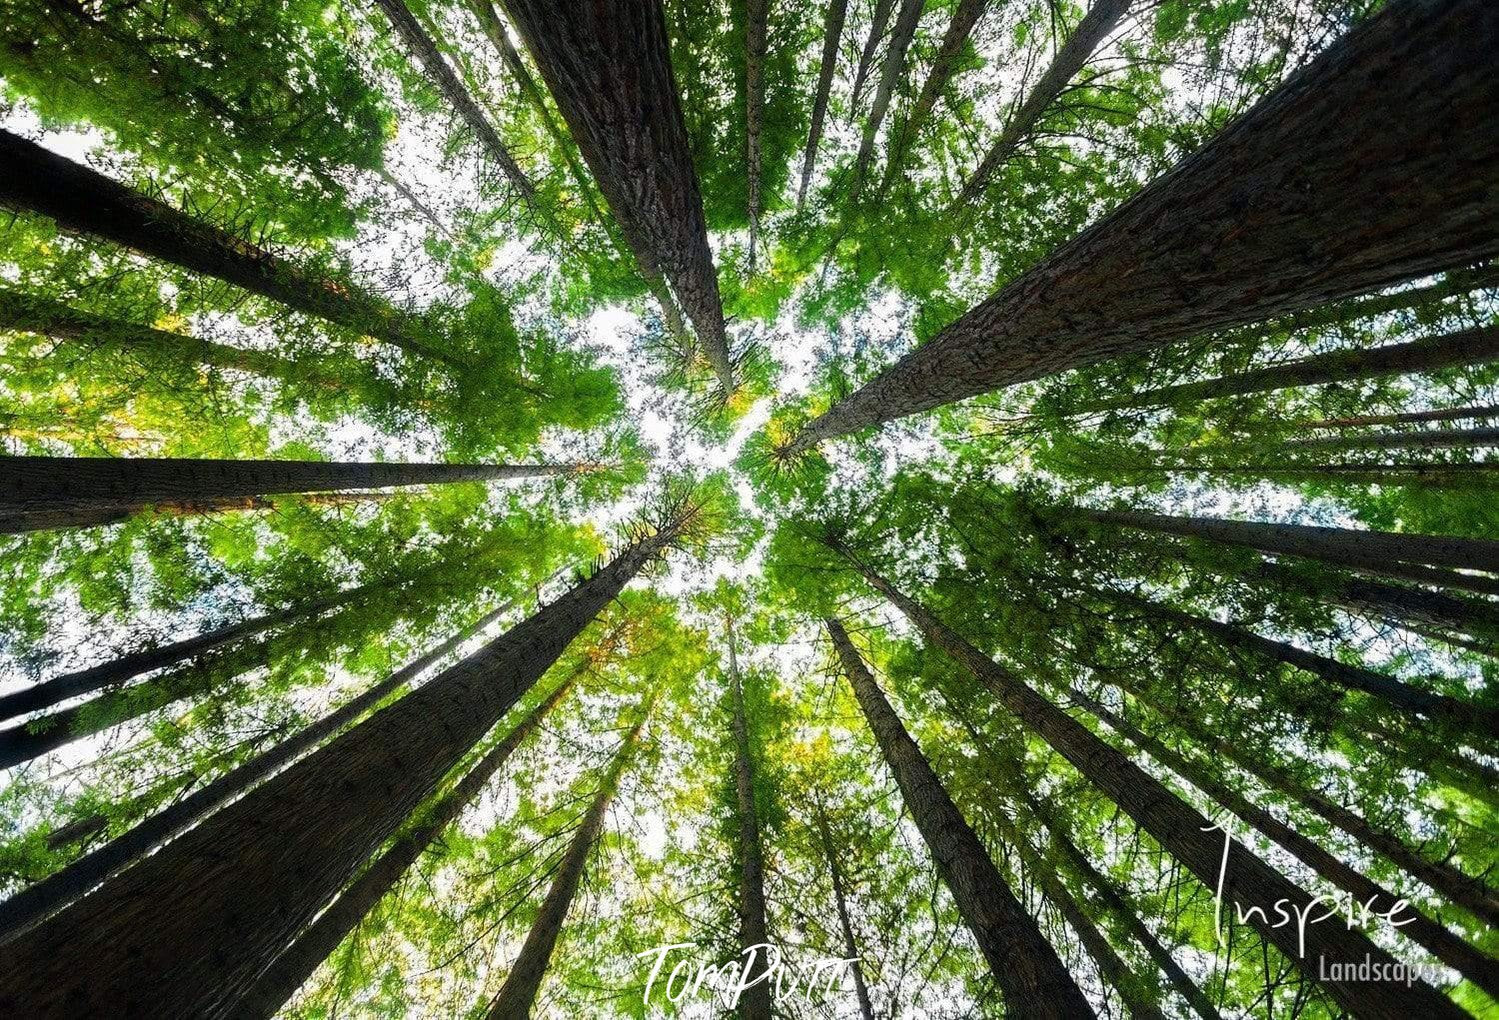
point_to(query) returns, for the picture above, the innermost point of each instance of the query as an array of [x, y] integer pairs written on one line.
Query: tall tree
[[832, 34], [964, 17], [1425, 439], [878, 22], [754, 933], [757, 17], [892, 71], [1228, 237], [845, 923], [1404, 418]]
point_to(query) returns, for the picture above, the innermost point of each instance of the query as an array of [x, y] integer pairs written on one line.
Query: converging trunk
[[1427, 439], [891, 72], [845, 923], [877, 25], [1441, 414], [832, 34], [944, 65], [757, 16], [753, 929]]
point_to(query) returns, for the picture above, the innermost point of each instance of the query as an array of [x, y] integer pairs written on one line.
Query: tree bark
[[757, 16], [753, 929], [1460, 476], [1302, 201], [964, 17], [424, 48], [293, 967], [845, 923], [877, 25], [186, 931], [891, 71], [1425, 439], [1184, 832], [1033, 980], [609, 70], [48, 485], [1090, 33], [517, 996], [83, 201], [1408, 417], [1453, 282], [1474, 965], [51, 894], [832, 34]]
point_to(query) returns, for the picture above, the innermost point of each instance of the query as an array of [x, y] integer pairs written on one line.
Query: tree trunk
[[43, 485], [1460, 476], [1425, 439], [964, 17], [186, 931], [1409, 417], [753, 930], [891, 72], [1186, 834], [845, 923], [1453, 282], [83, 201], [757, 15], [424, 48], [82, 330], [1090, 33], [877, 25], [832, 34], [1033, 980], [1304, 200], [517, 996], [1474, 965], [293, 967], [609, 70], [51, 894]]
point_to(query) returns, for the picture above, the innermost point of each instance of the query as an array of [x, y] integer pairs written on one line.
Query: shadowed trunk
[[1304, 200], [944, 65], [1453, 283], [84, 201], [1184, 832], [1025, 966], [877, 25], [609, 70], [293, 967], [99, 517], [1090, 33], [1461, 476], [832, 33], [753, 931], [845, 923], [188, 929], [1427, 439], [54, 892], [892, 70], [757, 14], [517, 996], [1442, 414]]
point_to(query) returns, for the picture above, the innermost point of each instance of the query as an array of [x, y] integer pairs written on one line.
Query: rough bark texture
[[964, 17], [1025, 966], [51, 894], [609, 70], [1426, 439], [1186, 834], [832, 33], [877, 25], [753, 930], [1069, 60], [891, 71], [1468, 347], [757, 16], [517, 996], [424, 49], [1409, 417], [83, 201], [293, 967], [187, 930], [1474, 965], [42, 485], [845, 923], [1304, 200]]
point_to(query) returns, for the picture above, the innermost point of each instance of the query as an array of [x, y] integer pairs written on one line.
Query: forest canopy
[[877, 508]]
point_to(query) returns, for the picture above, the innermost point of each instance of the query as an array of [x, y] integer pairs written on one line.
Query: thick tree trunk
[[1186, 834], [1033, 980], [1469, 347], [186, 931], [753, 928], [293, 967], [1304, 200], [845, 922], [517, 996], [892, 70], [43, 485], [56, 891], [610, 73], [832, 34], [424, 48], [1474, 965], [945, 64], [1409, 417], [83, 201], [757, 16], [1425, 439], [1090, 33], [879, 21]]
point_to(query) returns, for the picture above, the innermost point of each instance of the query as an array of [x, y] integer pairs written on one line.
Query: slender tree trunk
[[964, 17], [517, 996], [1426, 439], [1186, 834], [845, 923], [1025, 966], [186, 931], [1090, 33], [293, 967], [1474, 965], [609, 70], [1453, 283], [51, 894], [1409, 417], [753, 929], [757, 16], [83, 201], [1302, 201], [1460, 476], [424, 48], [99, 517], [832, 34], [43, 485], [877, 25], [891, 72]]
